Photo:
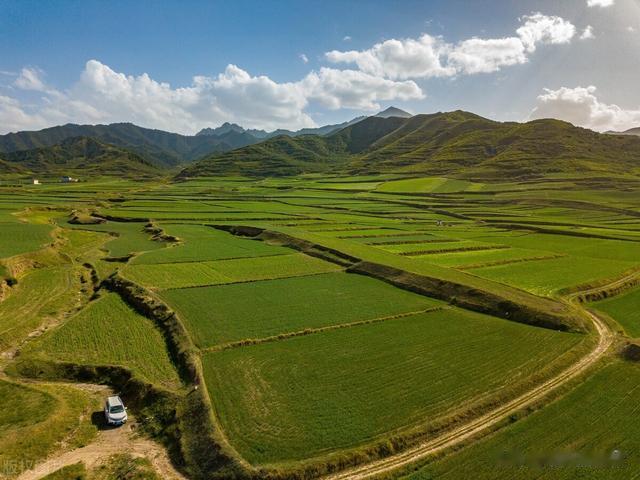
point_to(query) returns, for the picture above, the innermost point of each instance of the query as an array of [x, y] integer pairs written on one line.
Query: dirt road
[[484, 422], [109, 441]]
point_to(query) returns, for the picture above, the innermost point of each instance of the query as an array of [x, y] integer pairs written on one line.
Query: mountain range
[[458, 144]]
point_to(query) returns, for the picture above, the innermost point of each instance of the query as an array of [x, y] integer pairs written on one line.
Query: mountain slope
[[631, 131], [80, 156], [457, 143], [159, 147], [285, 155], [393, 112]]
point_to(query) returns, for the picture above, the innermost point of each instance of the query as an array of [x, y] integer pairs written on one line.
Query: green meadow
[[303, 363]]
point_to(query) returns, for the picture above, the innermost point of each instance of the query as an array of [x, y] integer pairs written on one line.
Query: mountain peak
[[226, 127], [393, 112]]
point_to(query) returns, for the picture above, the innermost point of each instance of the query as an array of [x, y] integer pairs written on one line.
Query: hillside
[[79, 156], [456, 143], [156, 146], [284, 155]]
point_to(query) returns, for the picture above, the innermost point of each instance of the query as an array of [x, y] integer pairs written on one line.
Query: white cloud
[[304, 58], [29, 79], [429, 56], [544, 29], [346, 38], [484, 56], [587, 33], [581, 106], [399, 59], [103, 95], [600, 3], [336, 89], [631, 29]]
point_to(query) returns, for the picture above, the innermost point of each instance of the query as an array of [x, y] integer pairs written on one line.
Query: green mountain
[[79, 156], [156, 146], [459, 144]]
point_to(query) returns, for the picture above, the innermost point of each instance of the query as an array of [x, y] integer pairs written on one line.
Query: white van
[[114, 411]]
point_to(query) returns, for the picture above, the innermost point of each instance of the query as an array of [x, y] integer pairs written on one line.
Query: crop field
[[17, 237], [624, 309], [203, 243], [193, 274], [254, 310], [109, 332], [367, 380], [579, 442], [306, 364]]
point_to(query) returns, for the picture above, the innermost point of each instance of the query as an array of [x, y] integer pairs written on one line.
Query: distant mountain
[[459, 144], [263, 134], [393, 112], [158, 147], [631, 131], [80, 156], [226, 127]]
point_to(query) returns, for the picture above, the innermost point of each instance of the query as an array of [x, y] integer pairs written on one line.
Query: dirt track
[[109, 441], [484, 422]]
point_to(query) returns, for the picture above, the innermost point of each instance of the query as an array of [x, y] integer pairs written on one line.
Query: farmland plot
[[575, 437], [228, 313], [17, 237], [108, 332], [625, 309], [192, 274], [306, 396], [203, 243]]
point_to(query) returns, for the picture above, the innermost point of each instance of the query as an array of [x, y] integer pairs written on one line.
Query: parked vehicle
[[114, 411]]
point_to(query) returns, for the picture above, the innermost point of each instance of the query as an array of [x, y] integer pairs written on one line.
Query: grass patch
[[229, 313], [625, 309], [308, 396], [17, 237], [202, 243], [109, 332], [572, 438]]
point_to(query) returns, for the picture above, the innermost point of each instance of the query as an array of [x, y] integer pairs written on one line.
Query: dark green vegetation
[[81, 156], [457, 143], [326, 320]]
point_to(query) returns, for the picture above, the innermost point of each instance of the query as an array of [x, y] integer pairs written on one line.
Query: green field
[[574, 437], [203, 243], [192, 274], [109, 332], [228, 313], [304, 364], [305, 396], [16, 237], [625, 309]]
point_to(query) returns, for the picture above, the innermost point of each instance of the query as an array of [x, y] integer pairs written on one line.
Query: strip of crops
[[625, 309], [587, 434], [192, 274], [228, 313], [305, 396], [108, 332]]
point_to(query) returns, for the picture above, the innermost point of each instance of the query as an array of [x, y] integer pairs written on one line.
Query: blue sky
[[143, 57]]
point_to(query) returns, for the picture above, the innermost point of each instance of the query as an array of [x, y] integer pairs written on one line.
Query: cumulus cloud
[[429, 56], [399, 59], [304, 58], [355, 89], [484, 56], [346, 38], [102, 95], [581, 106], [600, 3], [543, 29], [587, 33]]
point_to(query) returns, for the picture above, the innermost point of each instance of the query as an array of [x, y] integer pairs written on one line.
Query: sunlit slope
[[457, 143]]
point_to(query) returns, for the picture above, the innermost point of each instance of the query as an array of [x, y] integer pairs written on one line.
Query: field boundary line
[[312, 331]]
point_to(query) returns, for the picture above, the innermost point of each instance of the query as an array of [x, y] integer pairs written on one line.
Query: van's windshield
[[116, 409]]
